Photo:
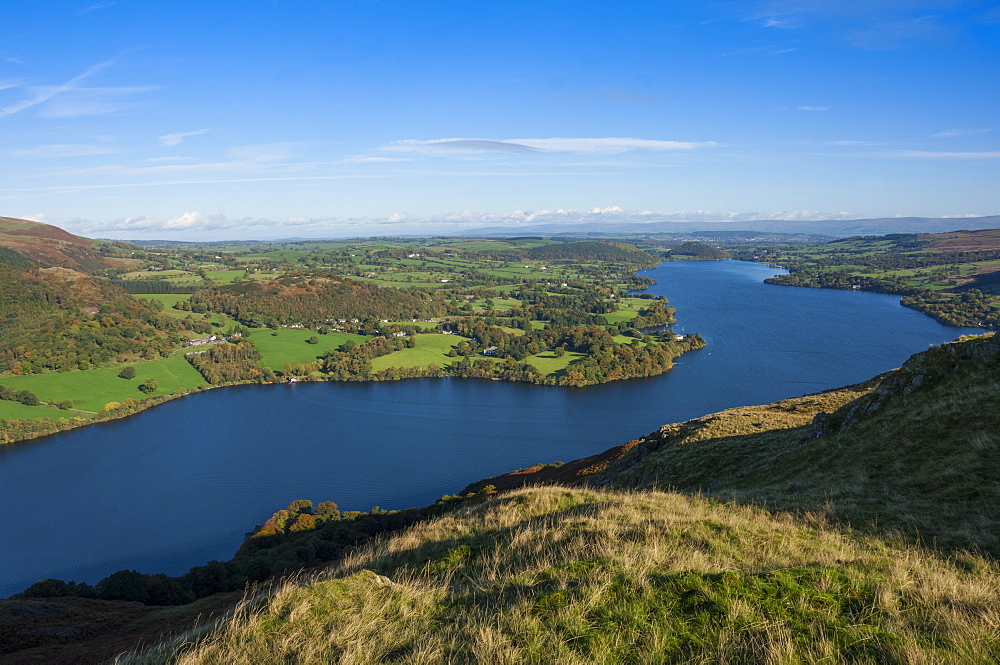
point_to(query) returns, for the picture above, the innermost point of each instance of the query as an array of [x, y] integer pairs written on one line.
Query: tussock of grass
[[555, 575]]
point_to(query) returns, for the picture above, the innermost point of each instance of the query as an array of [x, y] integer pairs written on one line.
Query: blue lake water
[[178, 485]]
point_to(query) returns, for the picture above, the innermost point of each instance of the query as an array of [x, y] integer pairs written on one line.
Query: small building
[[200, 341]]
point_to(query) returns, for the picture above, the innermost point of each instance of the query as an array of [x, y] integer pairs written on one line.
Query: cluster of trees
[[19, 429], [696, 251], [300, 516], [353, 361], [154, 286], [15, 260], [613, 362], [50, 323], [315, 300], [25, 397], [306, 537], [507, 369], [603, 251], [231, 362], [657, 314], [971, 308]]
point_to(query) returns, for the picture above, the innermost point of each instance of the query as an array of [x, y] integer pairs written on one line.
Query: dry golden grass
[[552, 575]]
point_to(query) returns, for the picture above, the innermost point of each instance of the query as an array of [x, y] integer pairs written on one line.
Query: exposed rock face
[[820, 427]]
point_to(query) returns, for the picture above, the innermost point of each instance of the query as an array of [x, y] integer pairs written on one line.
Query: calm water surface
[[178, 485]]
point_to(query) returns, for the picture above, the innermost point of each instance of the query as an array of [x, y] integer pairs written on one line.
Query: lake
[[179, 485]]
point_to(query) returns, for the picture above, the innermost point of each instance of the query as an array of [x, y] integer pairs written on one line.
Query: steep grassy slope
[[50, 245], [916, 450], [554, 575]]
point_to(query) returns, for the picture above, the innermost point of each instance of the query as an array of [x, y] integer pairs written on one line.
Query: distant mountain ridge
[[829, 227]]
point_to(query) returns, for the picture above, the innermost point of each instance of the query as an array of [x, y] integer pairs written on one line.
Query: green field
[[625, 339], [424, 325], [547, 363], [12, 410], [290, 346], [168, 299], [156, 274], [628, 309], [90, 390], [429, 349], [225, 276]]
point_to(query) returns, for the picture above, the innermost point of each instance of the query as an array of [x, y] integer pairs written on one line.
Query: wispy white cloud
[[62, 150], [70, 188], [813, 108], [195, 221], [898, 34], [6, 84], [931, 154], [770, 50], [606, 145], [372, 159], [45, 93], [445, 146], [15, 61], [96, 7], [261, 158], [952, 133], [870, 25], [92, 101], [178, 137], [846, 143]]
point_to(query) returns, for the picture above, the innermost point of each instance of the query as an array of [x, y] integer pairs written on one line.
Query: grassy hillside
[[915, 450], [49, 246], [555, 575]]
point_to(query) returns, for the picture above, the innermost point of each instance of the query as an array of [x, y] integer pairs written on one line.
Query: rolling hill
[[50, 246]]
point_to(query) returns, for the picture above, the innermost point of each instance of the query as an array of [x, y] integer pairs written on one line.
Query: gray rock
[[984, 350]]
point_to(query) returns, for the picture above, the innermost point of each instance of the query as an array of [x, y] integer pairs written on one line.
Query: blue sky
[[312, 118]]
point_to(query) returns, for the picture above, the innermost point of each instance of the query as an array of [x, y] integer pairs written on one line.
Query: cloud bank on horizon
[[222, 227], [637, 111]]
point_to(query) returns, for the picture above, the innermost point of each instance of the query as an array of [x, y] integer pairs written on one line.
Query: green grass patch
[[91, 389], [625, 339], [290, 345], [168, 299], [225, 276], [548, 363], [16, 410], [428, 349], [156, 274]]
